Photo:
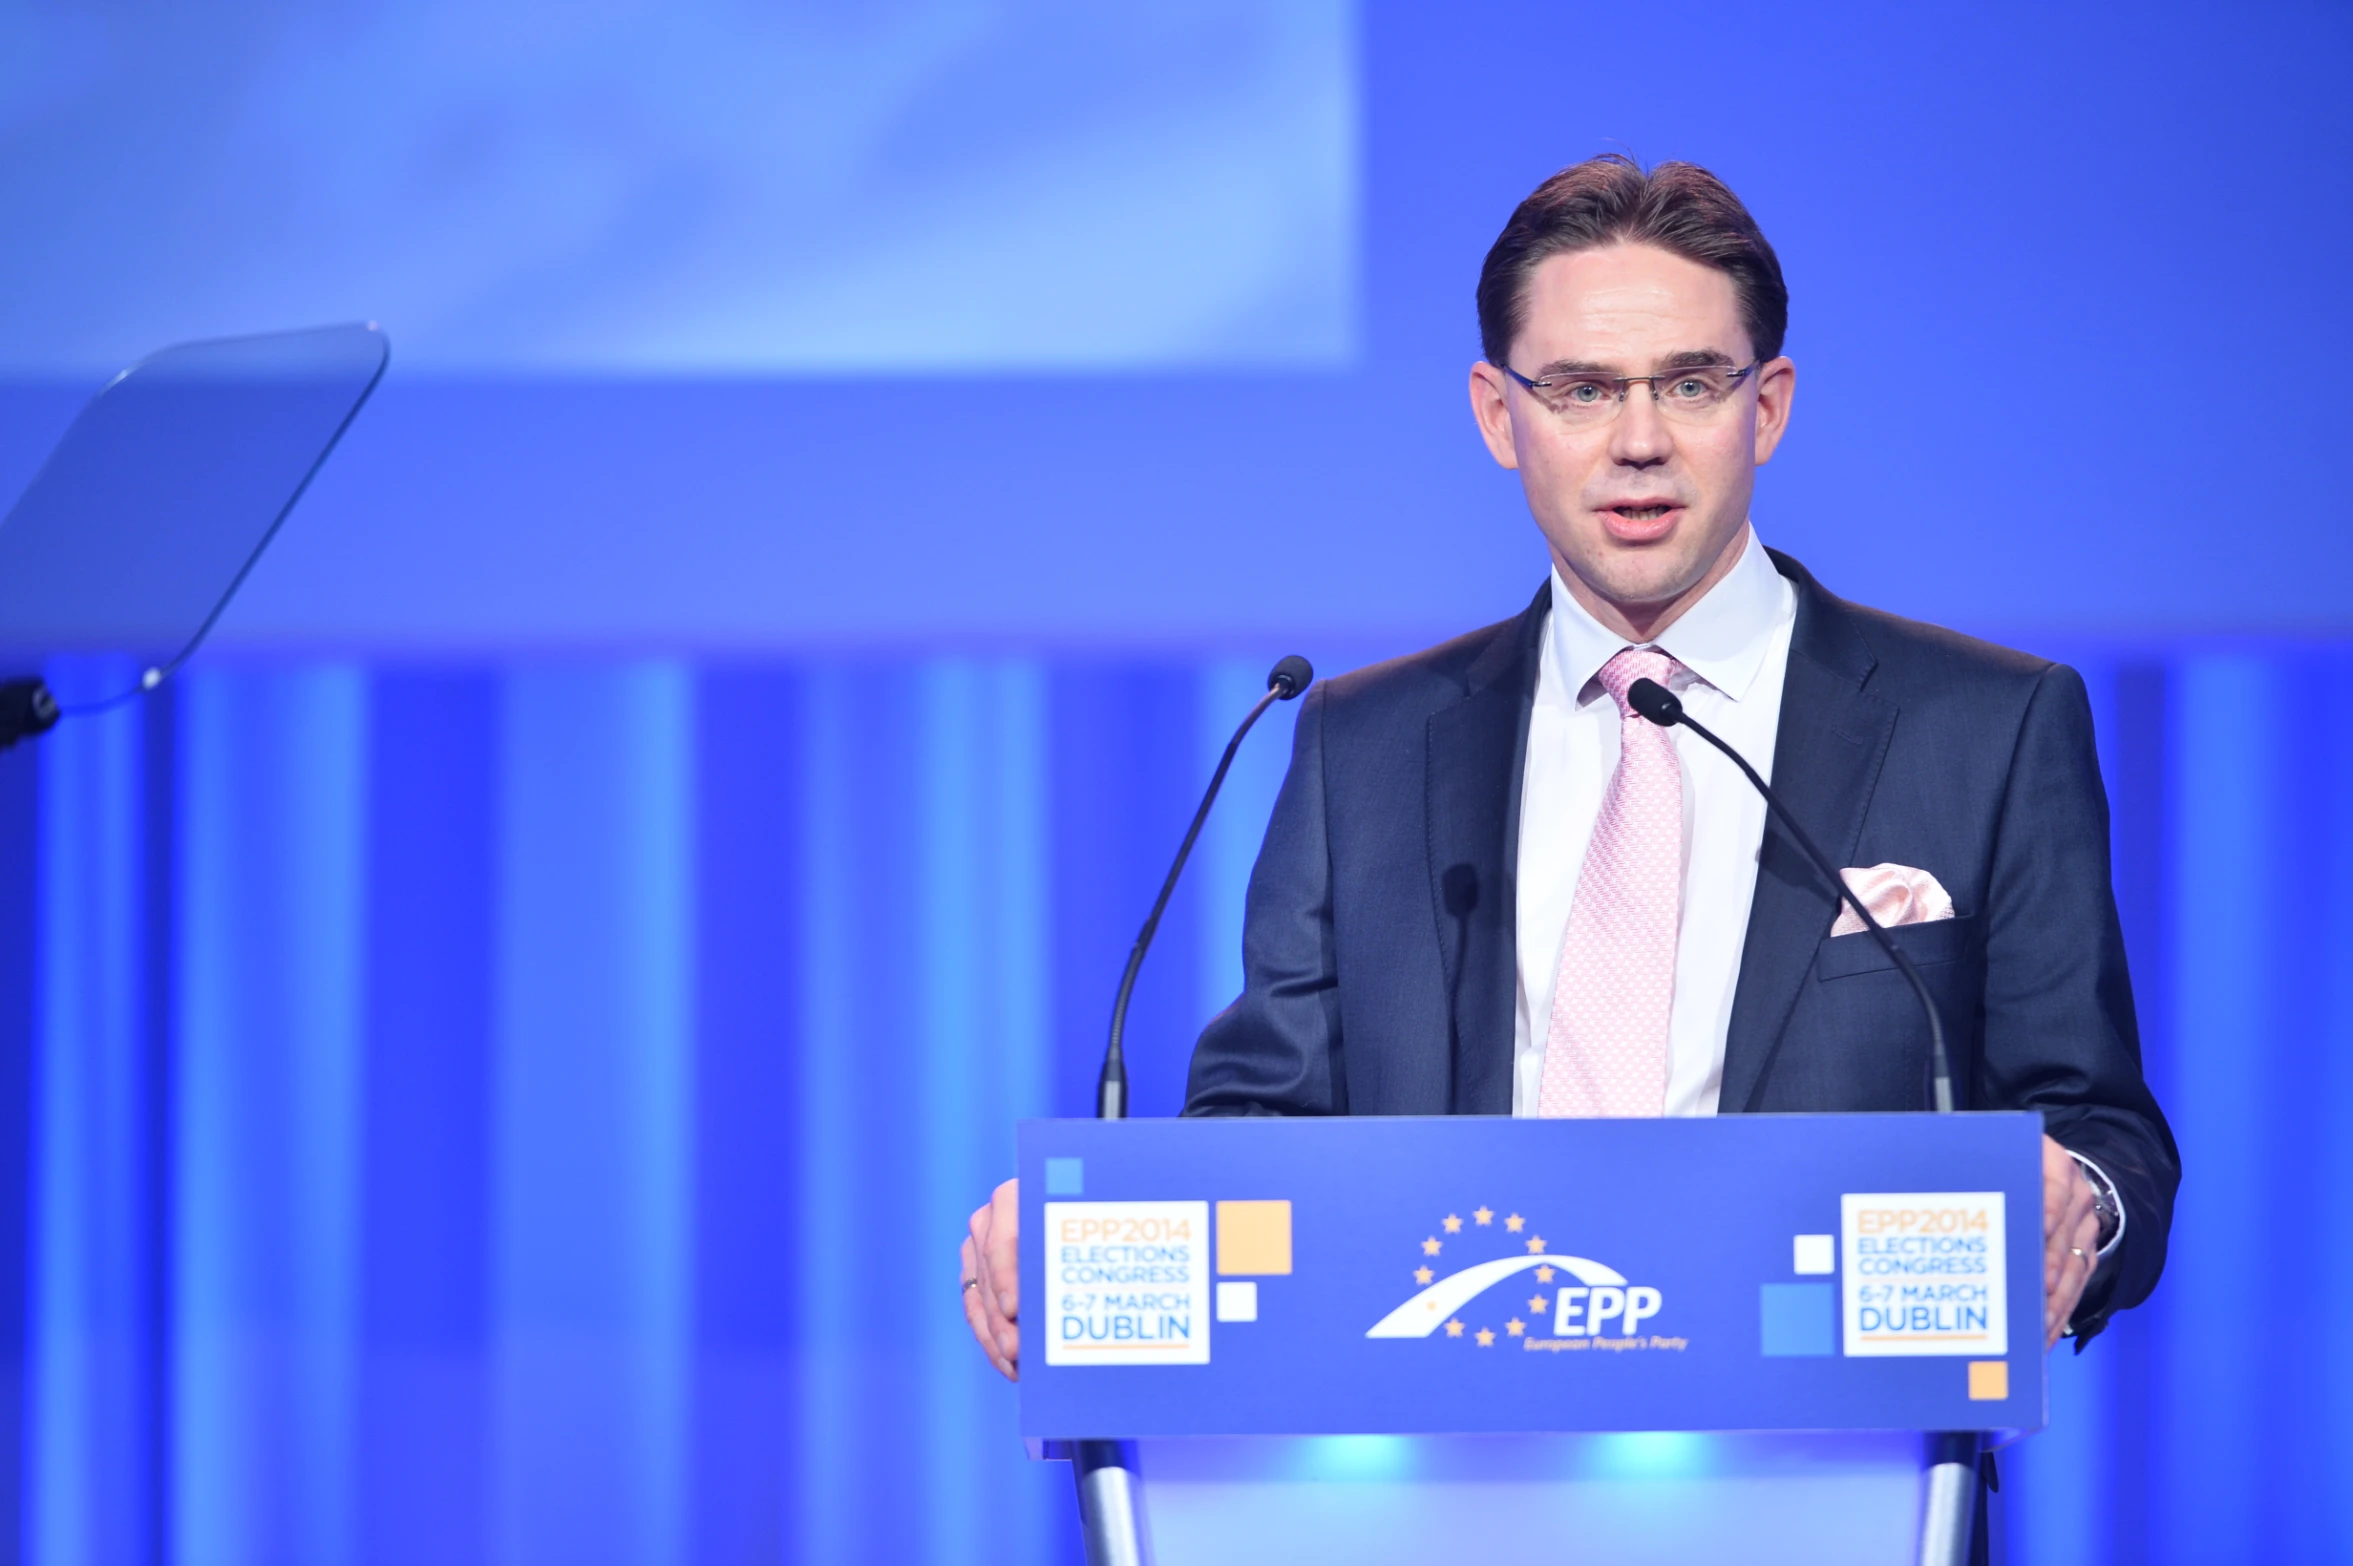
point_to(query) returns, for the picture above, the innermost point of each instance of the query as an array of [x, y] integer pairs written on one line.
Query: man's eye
[[1691, 388], [1582, 392]]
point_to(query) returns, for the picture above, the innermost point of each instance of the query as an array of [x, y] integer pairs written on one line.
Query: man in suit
[[1489, 887]]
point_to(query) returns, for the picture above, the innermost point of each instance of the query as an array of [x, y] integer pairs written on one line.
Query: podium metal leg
[[1110, 1496], [1945, 1521]]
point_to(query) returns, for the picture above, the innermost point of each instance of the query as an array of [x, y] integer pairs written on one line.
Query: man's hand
[[992, 1278], [2071, 1238]]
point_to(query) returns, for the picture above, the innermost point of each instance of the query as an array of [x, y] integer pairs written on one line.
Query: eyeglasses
[[1693, 395]]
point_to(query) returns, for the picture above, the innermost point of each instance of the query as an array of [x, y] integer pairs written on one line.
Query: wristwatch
[[2107, 1206]]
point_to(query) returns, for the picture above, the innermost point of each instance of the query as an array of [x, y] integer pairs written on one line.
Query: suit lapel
[[1833, 737], [1472, 773]]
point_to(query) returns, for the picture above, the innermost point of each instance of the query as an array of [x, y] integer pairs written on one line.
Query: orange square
[[1254, 1237], [1989, 1381]]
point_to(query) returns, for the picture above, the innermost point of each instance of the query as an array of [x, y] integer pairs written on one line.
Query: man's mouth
[[1641, 522]]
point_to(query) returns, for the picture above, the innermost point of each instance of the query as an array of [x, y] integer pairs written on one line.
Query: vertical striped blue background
[[526, 1113], [522, 1111]]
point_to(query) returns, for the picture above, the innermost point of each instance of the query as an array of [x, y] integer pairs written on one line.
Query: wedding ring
[[2075, 1251], [974, 1283]]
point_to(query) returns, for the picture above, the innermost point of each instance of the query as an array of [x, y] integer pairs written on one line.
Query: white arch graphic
[[1427, 1311]]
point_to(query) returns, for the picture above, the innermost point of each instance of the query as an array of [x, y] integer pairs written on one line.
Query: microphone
[[1660, 705], [1287, 679]]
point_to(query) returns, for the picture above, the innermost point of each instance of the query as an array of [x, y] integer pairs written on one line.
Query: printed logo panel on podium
[[1128, 1283], [1924, 1273], [1577, 1304], [1408, 1275]]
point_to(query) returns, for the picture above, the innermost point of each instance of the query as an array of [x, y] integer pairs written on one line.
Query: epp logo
[[1597, 1302]]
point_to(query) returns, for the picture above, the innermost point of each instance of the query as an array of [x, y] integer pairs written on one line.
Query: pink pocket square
[[1895, 894]]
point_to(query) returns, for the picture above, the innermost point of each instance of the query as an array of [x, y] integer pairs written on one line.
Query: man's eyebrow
[[1687, 359]]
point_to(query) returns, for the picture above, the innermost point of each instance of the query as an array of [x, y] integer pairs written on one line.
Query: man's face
[[1644, 512]]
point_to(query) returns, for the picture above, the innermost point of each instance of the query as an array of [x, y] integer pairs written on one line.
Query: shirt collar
[[1722, 639]]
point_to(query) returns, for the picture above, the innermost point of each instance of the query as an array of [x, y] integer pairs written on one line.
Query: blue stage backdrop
[[526, 1114], [494, 1063]]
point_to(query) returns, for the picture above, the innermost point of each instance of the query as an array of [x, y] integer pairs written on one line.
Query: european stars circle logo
[[1461, 1276]]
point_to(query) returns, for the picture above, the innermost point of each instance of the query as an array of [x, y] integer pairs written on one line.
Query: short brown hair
[[1679, 207]]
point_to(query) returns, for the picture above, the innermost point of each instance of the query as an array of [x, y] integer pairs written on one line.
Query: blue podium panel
[[1461, 1275]]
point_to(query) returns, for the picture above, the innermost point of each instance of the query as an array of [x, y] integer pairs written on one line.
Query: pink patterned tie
[[1606, 1051]]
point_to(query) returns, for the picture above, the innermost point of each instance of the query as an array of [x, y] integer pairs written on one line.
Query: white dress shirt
[[1735, 644]]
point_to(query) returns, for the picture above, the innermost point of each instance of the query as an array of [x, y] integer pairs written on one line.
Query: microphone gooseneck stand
[[1110, 1523], [1655, 702], [1949, 1519], [1288, 678]]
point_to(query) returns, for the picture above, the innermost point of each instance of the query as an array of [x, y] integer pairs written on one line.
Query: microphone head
[[1293, 675], [1655, 702]]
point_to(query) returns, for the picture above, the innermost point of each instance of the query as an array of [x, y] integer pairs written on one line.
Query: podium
[[1755, 1337]]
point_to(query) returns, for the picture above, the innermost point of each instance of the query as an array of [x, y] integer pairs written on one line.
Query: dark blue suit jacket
[[1379, 951]]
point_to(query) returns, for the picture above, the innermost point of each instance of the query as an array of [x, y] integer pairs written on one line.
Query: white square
[[1237, 1301], [1816, 1255]]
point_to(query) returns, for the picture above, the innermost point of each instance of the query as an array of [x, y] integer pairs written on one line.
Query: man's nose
[[1638, 436]]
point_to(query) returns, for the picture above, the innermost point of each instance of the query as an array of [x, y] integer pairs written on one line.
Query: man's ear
[[1776, 388], [1491, 406]]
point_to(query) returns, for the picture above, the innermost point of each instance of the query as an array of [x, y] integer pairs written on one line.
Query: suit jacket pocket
[[1928, 943]]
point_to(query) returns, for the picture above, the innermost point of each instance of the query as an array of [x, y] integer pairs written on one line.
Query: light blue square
[[1066, 1177], [1796, 1319]]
